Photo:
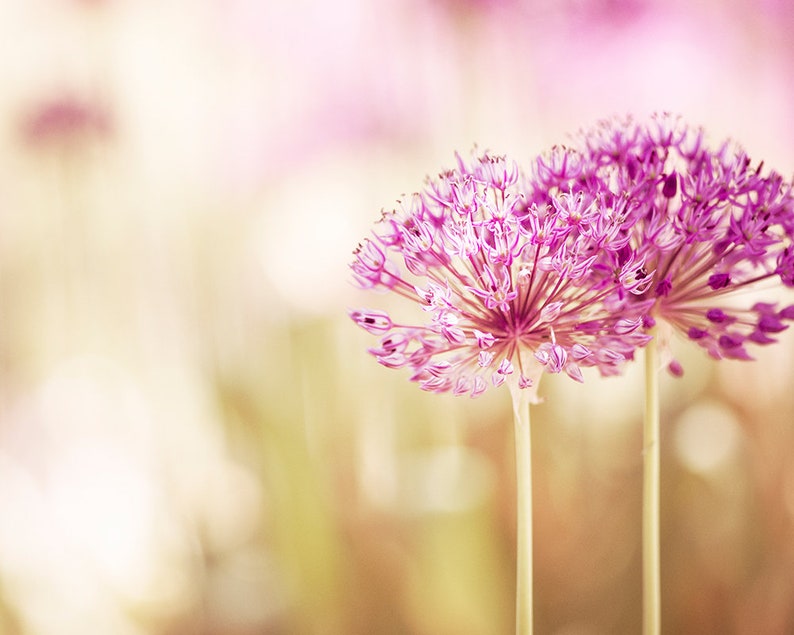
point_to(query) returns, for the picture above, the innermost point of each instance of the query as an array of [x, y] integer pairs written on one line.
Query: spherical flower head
[[701, 225], [502, 287]]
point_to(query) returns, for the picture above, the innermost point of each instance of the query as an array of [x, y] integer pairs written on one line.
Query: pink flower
[[65, 119], [702, 226], [505, 282]]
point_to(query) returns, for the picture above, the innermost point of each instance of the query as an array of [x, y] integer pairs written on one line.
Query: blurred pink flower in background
[[65, 119], [334, 75]]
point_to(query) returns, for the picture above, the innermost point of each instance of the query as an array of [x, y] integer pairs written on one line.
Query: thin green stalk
[[651, 584], [521, 403]]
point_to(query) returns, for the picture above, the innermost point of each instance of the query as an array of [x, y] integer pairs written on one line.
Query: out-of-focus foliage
[[192, 437]]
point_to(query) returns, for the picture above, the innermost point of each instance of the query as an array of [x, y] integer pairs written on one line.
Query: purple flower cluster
[[703, 225], [569, 266], [507, 285]]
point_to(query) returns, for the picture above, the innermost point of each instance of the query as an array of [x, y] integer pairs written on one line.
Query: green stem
[[651, 585], [521, 402]]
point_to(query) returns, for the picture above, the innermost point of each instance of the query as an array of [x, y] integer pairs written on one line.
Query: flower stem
[[521, 403], [651, 585]]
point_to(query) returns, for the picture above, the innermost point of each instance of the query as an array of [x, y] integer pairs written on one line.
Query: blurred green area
[[192, 436]]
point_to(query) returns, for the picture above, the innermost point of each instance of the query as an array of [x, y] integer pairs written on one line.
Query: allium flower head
[[502, 284], [702, 224]]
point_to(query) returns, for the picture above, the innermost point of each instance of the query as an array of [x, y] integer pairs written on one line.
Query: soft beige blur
[[192, 436]]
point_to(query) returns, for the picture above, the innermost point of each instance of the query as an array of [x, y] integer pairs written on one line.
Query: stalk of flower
[[505, 287], [704, 226]]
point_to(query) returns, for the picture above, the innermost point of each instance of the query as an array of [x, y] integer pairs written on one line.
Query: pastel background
[[193, 439]]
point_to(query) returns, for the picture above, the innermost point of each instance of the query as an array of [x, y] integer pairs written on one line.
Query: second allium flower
[[705, 226], [501, 285]]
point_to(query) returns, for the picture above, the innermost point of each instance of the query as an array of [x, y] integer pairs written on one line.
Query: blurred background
[[193, 439]]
